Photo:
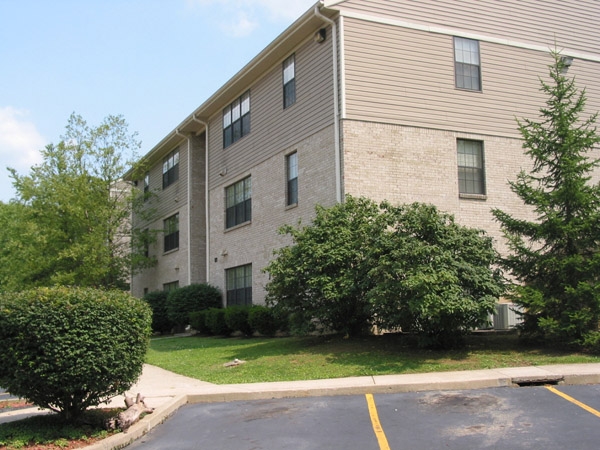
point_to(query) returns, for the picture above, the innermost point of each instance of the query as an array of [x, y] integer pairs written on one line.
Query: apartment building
[[390, 99]]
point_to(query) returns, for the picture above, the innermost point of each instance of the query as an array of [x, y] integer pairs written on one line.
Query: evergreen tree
[[555, 259]]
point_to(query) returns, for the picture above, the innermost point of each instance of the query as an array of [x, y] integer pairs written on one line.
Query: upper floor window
[[171, 233], [292, 179], [170, 168], [289, 81], [146, 185], [236, 120], [145, 237], [471, 177], [238, 203], [239, 285], [467, 68]]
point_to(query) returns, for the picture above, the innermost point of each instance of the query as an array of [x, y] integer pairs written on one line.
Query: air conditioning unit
[[507, 316]]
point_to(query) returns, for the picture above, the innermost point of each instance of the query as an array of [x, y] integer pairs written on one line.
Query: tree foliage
[[71, 215], [555, 258], [191, 298], [409, 267], [324, 275], [67, 349], [433, 277]]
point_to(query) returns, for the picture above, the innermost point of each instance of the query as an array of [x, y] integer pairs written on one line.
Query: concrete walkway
[[166, 391]]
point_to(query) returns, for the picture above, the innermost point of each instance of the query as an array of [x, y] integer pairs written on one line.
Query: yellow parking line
[[572, 400], [383, 443]]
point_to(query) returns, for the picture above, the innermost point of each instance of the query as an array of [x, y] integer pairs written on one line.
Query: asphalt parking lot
[[536, 417], [5, 395]]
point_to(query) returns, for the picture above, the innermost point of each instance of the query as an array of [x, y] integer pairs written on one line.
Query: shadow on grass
[[369, 355]]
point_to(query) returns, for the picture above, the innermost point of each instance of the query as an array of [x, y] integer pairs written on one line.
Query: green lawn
[[304, 358]]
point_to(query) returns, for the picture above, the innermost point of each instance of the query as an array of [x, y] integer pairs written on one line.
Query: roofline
[[224, 93]]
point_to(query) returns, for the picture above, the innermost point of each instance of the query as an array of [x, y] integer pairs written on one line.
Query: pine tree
[[555, 259]]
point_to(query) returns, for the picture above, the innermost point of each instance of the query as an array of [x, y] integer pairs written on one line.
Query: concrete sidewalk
[[166, 391]]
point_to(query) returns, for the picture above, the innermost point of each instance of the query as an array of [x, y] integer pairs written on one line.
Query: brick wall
[[407, 164], [254, 242]]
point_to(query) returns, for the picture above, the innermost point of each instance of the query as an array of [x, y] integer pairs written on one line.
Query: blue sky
[[153, 61]]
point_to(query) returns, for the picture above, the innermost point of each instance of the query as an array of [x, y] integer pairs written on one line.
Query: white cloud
[[283, 10], [20, 142], [242, 26], [241, 17], [20, 145]]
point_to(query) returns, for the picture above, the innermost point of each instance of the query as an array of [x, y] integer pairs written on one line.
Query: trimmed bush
[[215, 322], [67, 349], [158, 303], [236, 318], [263, 320], [198, 321], [195, 297]]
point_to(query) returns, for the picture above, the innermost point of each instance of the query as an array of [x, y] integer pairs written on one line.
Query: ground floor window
[[171, 286], [239, 285]]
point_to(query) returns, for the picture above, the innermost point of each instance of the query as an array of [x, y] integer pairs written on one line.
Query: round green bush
[[198, 321], [158, 303], [67, 349], [215, 322], [194, 297], [236, 318], [263, 320]]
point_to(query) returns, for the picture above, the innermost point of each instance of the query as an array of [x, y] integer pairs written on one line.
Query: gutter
[[336, 107]]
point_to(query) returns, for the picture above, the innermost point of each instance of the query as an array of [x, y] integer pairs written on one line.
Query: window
[[289, 81], [171, 286], [471, 178], [145, 236], [171, 230], [171, 168], [146, 185], [236, 120], [466, 64], [239, 285], [292, 179], [238, 203]]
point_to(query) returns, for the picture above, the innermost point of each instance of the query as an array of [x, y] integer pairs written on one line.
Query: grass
[[306, 358], [48, 432]]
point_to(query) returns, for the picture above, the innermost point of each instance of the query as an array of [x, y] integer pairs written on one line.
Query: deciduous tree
[[72, 212]]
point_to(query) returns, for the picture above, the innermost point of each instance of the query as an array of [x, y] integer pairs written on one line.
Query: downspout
[[206, 208], [336, 107], [189, 206]]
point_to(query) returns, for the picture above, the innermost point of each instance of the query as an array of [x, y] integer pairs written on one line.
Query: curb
[[385, 384], [575, 374], [142, 427]]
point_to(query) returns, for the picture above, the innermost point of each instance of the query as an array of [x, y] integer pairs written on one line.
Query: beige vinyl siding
[[403, 76], [272, 127], [568, 23], [165, 201]]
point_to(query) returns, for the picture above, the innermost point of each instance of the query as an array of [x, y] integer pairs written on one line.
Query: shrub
[[434, 277], [361, 264], [236, 318], [158, 303], [67, 349], [198, 321], [263, 320], [215, 322], [195, 297]]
